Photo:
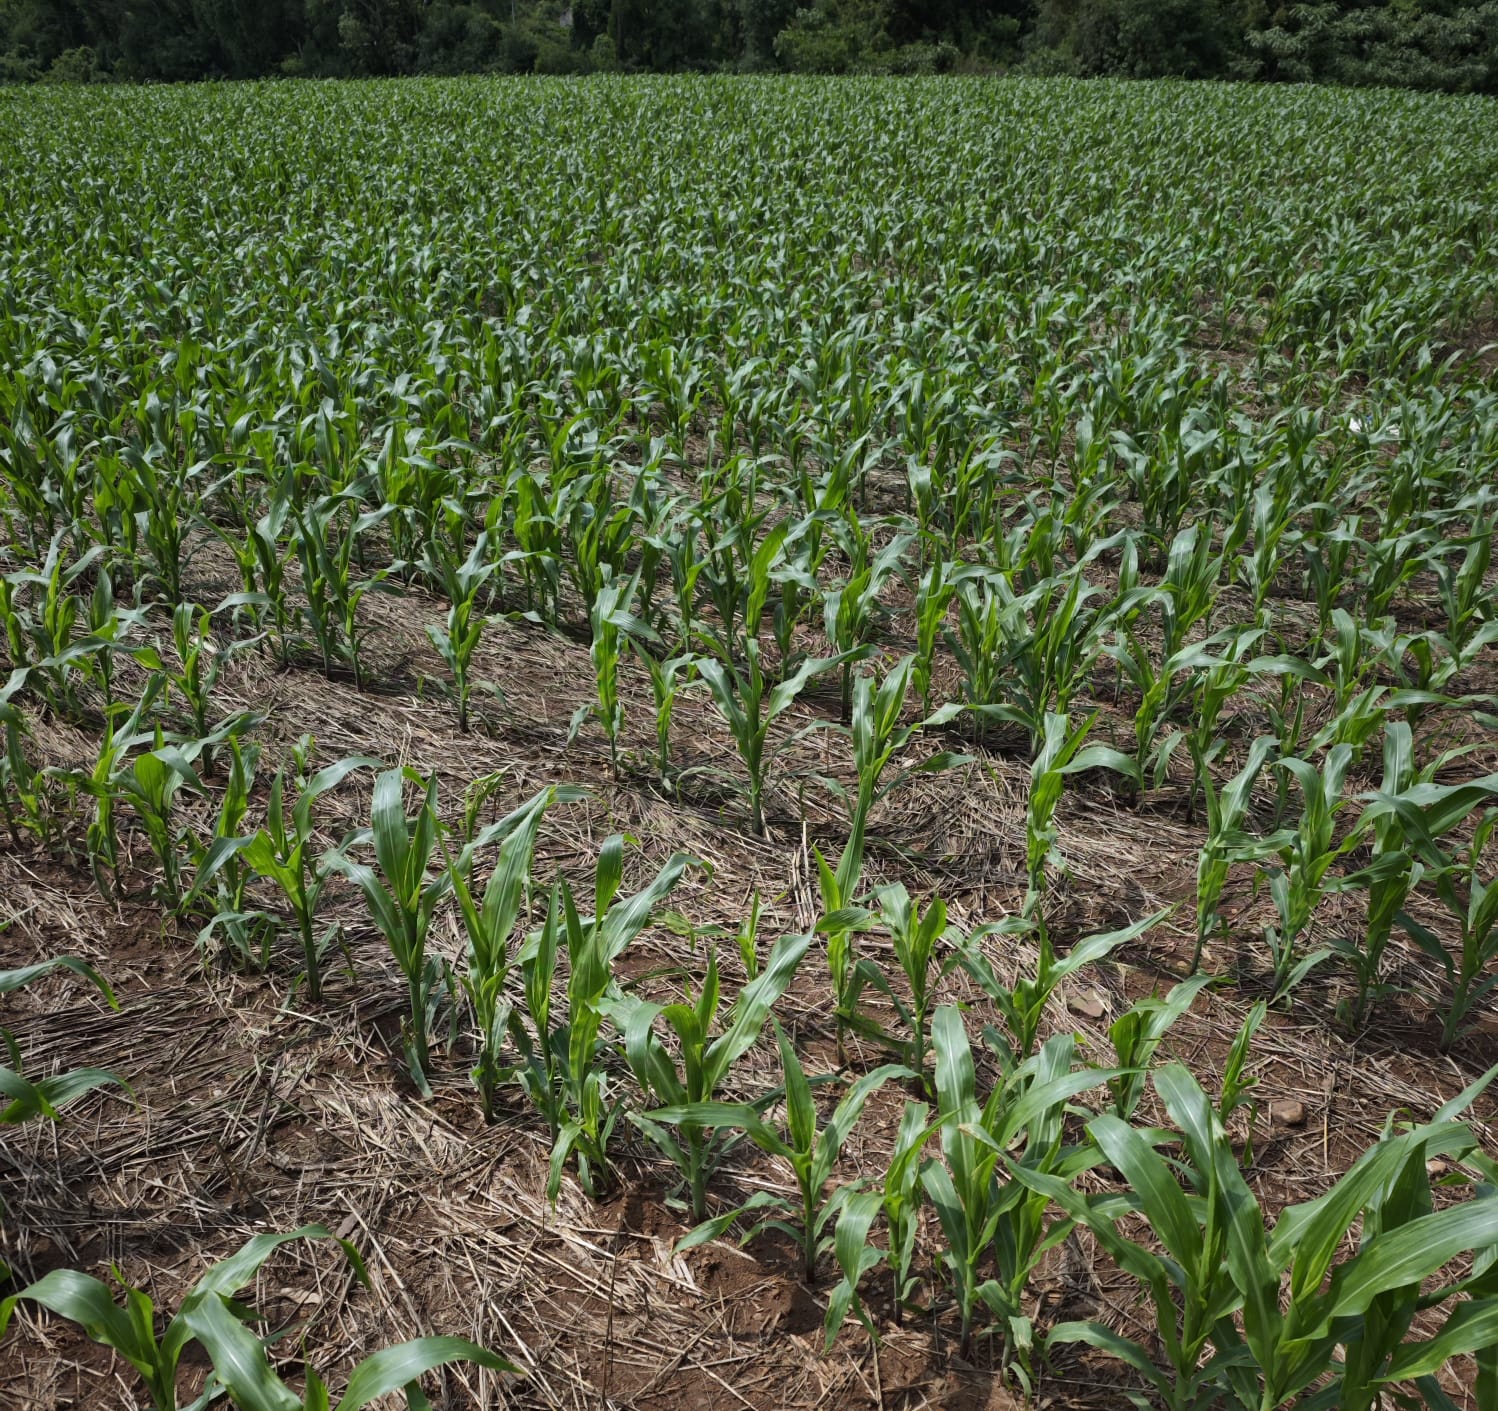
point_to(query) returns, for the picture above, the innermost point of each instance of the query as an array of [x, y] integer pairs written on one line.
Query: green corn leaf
[[392, 1368]]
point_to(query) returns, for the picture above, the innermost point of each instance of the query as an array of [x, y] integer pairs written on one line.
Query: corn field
[[748, 742]]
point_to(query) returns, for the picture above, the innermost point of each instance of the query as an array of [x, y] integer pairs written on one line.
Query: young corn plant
[[932, 600], [612, 626], [850, 611], [563, 1069], [1215, 681], [46, 1097], [1023, 1004], [1298, 1304], [1465, 599], [210, 1316], [1472, 968], [1227, 842], [264, 561], [329, 576], [734, 575], [200, 664], [979, 643], [877, 737], [1136, 1035], [458, 638], [899, 1200], [1417, 814], [489, 922], [246, 934], [1392, 874], [915, 939], [809, 1150], [984, 1210], [107, 624], [668, 679], [403, 897], [283, 851], [102, 784], [1060, 754], [749, 705], [150, 786], [242, 1367], [1306, 854], [704, 1062], [164, 495], [679, 542], [44, 637], [23, 786], [1051, 639], [1159, 693]]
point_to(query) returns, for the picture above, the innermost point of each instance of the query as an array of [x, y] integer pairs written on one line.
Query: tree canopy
[[1443, 44]]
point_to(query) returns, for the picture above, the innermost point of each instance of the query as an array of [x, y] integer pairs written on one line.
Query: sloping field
[[591, 664]]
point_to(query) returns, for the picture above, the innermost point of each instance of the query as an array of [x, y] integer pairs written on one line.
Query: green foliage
[[46, 1096], [704, 1063], [983, 1205], [211, 1317], [488, 922], [1419, 45], [283, 851], [403, 895], [809, 1149], [564, 1057], [458, 639], [1013, 403], [1222, 1269]]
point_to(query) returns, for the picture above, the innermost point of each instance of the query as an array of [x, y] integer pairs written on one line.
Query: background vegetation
[[1438, 44]]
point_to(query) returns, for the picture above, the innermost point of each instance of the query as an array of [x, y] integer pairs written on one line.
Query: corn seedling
[[247, 934], [933, 598], [563, 1068], [1227, 842], [1023, 1004], [899, 1200], [43, 637], [47, 1096], [23, 786], [1472, 904], [200, 664], [103, 784], [150, 786], [1221, 1261], [704, 1062], [809, 1150], [1306, 853], [403, 897], [983, 1209], [749, 706], [915, 939], [488, 923], [283, 851], [1135, 1036], [458, 638], [241, 1366], [612, 625], [211, 1317], [333, 592], [1060, 753], [877, 737], [850, 611], [667, 679], [1389, 878]]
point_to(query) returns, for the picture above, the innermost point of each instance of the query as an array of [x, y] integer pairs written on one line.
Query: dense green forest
[[1446, 44]]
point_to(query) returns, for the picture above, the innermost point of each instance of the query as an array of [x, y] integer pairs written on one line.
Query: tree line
[[1439, 44]]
